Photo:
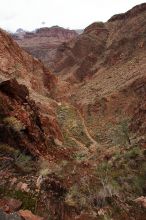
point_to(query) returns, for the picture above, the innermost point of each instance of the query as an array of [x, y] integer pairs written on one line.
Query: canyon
[[42, 43], [72, 136]]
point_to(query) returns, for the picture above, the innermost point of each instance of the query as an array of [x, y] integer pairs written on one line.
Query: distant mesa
[[43, 42]]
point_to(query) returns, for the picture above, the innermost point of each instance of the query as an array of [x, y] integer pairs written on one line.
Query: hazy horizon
[[77, 14]]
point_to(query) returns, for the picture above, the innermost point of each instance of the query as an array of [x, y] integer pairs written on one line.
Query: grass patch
[[28, 200], [20, 161], [120, 134], [126, 171]]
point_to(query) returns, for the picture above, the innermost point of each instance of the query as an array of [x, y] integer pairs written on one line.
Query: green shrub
[[133, 153], [28, 200], [120, 135], [75, 198], [23, 162]]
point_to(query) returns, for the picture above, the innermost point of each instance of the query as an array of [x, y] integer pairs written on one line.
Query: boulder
[[141, 200], [10, 205], [14, 90], [27, 215]]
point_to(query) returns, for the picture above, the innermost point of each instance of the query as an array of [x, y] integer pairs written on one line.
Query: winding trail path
[[94, 144]]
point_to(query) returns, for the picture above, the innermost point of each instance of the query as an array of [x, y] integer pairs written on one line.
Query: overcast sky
[[73, 14]]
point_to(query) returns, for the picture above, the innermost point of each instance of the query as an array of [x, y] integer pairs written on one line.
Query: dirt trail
[[94, 144]]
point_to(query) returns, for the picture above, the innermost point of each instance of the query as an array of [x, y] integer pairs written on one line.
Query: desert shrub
[[108, 186], [120, 134], [46, 168], [28, 200], [79, 156], [77, 198], [14, 123], [133, 152], [20, 161], [23, 162]]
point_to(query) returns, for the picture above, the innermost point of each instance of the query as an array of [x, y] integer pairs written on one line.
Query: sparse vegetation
[[28, 200], [19, 160], [72, 125], [23, 162], [46, 168], [80, 156], [120, 134], [14, 123]]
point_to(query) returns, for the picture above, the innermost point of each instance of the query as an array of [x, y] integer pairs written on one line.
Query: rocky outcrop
[[14, 90], [22, 124], [22, 214], [10, 205], [14, 62], [27, 215]]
